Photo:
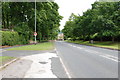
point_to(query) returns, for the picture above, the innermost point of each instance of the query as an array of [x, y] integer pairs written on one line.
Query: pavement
[[16, 69], [41, 66], [83, 61], [33, 64]]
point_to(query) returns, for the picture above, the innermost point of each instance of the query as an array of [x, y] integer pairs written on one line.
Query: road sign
[[35, 33]]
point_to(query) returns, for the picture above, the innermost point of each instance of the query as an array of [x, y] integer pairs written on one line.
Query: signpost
[[35, 33]]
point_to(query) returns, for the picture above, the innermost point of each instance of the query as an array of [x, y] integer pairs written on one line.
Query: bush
[[23, 40], [24, 32], [10, 38]]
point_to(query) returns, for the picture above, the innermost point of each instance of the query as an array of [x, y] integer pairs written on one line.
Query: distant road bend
[[82, 61]]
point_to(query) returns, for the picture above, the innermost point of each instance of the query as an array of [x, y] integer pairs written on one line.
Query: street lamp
[[35, 23]]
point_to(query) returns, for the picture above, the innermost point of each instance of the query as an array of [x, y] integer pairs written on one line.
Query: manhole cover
[[43, 62]]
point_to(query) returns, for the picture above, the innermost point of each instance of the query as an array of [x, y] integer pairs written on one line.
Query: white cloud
[[72, 6]]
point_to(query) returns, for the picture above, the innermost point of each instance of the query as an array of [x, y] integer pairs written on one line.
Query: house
[[60, 36]]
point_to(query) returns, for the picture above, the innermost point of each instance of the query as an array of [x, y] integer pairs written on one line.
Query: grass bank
[[40, 46], [106, 44], [5, 59]]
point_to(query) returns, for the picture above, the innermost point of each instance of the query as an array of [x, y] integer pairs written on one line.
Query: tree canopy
[[20, 17], [99, 23]]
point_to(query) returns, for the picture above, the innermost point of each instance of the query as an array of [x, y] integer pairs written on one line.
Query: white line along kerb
[[63, 65]]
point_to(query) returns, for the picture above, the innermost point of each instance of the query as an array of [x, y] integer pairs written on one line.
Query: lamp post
[[35, 22]]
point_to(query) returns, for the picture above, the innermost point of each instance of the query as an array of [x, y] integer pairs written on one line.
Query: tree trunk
[[3, 18], [8, 22], [83, 37], [113, 39], [101, 39], [89, 39]]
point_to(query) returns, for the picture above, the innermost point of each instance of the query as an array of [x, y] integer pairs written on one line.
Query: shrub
[[10, 38], [24, 32]]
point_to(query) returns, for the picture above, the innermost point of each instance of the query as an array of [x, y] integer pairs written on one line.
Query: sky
[[67, 7]]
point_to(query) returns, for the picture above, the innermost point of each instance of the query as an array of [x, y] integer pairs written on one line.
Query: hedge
[[12, 38]]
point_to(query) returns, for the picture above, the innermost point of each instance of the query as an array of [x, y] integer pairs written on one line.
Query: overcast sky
[[72, 6]]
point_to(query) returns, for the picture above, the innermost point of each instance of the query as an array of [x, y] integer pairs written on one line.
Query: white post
[[35, 21]]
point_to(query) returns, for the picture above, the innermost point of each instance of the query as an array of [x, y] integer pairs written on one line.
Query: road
[[82, 61], [68, 60]]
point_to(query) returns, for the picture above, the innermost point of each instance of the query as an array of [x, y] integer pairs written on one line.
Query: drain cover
[[43, 62]]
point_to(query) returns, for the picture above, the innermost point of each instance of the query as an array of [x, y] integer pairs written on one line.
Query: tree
[[97, 23], [20, 16]]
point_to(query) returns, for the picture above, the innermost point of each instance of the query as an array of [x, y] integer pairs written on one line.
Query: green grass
[[4, 59], [106, 44], [40, 46]]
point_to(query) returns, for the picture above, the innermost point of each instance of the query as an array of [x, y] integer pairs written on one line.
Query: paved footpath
[[39, 65]]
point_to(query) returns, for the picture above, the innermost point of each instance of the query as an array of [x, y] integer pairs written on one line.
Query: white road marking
[[98, 53], [41, 66], [91, 51], [113, 58], [63, 65], [79, 48], [75, 46], [104, 55]]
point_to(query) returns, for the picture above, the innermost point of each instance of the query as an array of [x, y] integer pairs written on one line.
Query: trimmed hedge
[[12, 38]]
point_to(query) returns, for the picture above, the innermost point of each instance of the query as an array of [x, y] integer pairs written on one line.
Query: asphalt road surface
[[82, 61], [69, 60]]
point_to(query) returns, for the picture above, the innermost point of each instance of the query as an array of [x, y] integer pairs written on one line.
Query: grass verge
[[5, 59], [106, 44], [40, 46]]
